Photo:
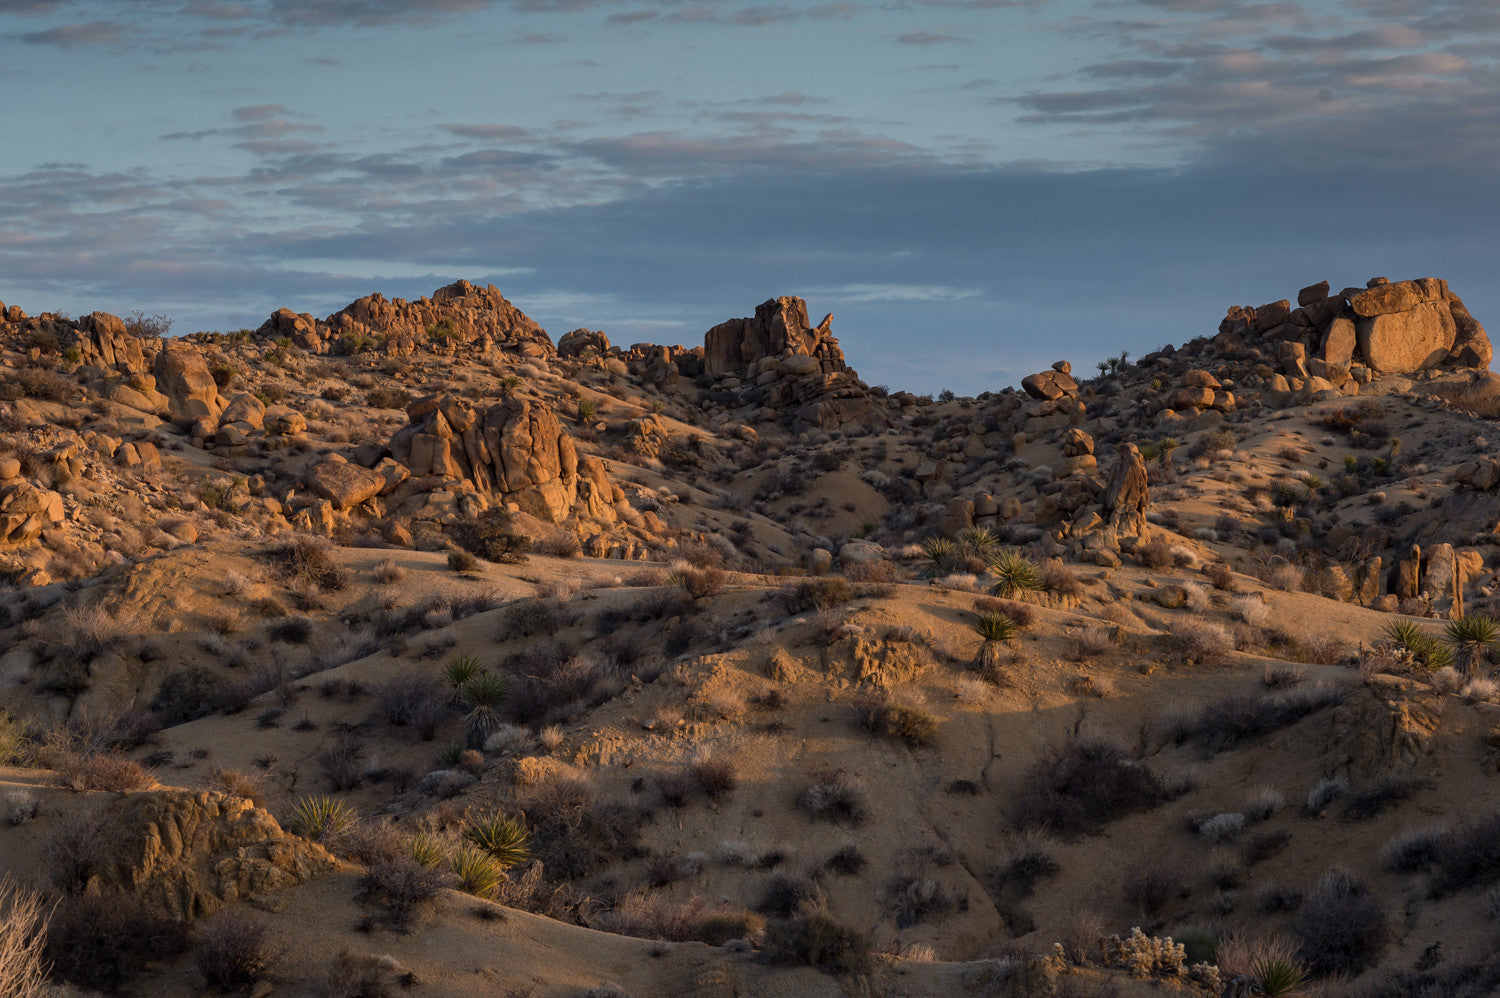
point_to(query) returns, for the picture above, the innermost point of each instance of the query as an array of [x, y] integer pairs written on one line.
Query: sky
[[975, 188]]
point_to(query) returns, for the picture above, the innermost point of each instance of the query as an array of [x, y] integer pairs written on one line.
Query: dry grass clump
[[308, 560], [237, 784], [387, 572], [1342, 925], [107, 771], [1232, 722], [1091, 642], [1031, 854], [1149, 888], [1201, 640], [652, 915], [832, 795]]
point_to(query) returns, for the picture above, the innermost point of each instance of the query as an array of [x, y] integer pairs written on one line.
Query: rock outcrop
[[187, 854], [461, 316], [1390, 328], [779, 327], [515, 450]]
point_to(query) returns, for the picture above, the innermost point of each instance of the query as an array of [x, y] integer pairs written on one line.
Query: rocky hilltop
[[404, 650]]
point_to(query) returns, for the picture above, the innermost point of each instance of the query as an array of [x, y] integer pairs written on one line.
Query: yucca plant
[[1275, 976], [1425, 650], [978, 541], [461, 671], [941, 554], [503, 837], [995, 627], [450, 756], [483, 694], [587, 409], [426, 851], [1471, 636], [1015, 575], [320, 818], [478, 872]]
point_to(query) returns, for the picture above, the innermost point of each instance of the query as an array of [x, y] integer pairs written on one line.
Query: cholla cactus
[[1147, 956]]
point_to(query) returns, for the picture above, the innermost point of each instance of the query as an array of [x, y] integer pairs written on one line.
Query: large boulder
[[182, 375], [779, 326], [344, 484], [1407, 341], [1050, 385], [1125, 499]]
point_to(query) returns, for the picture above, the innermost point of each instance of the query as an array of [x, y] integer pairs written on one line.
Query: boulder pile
[[1401, 327], [778, 328], [459, 316]]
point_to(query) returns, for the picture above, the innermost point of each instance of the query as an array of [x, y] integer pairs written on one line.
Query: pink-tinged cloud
[[76, 35]]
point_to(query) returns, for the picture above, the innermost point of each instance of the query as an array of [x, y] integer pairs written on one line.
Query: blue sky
[[974, 187]]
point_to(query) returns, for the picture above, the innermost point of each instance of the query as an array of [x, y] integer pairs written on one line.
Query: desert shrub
[[23, 938], [342, 762], [655, 916], [715, 776], [817, 594], [1156, 553], [401, 883], [547, 680], [292, 631], [236, 784], [1083, 784], [846, 861], [1149, 888], [719, 928], [405, 697], [1412, 850], [832, 795], [1264, 803], [387, 397], [1031, 854], [1223, 828], [17, 807], [1059, 577], [462, 562], [186, 694], [309, 560], [478, 873], [1236, 720], [1201, 640], [573, 833], [882, 714], [104, 941], [1220, 576], [234, 950], [785, 893], [1272, 897], [914, 897], [1324, 794], [1468, 855], [1090, 642], [996, 626], [353, 976], [1342, 925], [1366, 802], [816, 940], [1263, 845], [107, 771], [490, 536], [1280, 675]]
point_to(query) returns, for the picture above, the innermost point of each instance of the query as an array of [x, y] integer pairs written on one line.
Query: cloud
[[932, 38], [69, 36], [487, 131]]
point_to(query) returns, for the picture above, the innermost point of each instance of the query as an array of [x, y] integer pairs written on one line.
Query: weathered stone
[[1200, 379], [1191, 398], [1402, 296], [958, 515], [1076, 442], [1049, 386], [282, 421], [581, 341], [1312, 293], [1126, 498], [779, 326], [1408, 341], [1408, 574], [1471, 346], [183, 376], [1271, 315], [1339, 341], [344, 484]]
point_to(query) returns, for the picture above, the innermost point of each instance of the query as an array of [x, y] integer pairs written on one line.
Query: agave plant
[[995, 627], [1015, 575], [503, 837], [450, 755], [426, 851], [978, 541], [320, 818], [1424, 649], [1471, 636], [483, 694]]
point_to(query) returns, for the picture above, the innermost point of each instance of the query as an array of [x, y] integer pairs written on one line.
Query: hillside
[[490, 664]]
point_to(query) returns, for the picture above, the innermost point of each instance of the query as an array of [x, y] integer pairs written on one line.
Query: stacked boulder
[[1401, 327], [461, 316], [26, 509], [1052, 393], [514, 451], [1200, 390], [776, 365]]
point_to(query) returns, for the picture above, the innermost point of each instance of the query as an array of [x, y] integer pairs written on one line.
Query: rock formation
[[515, 450], [779, 327], [1389, 328], [187, 854], [1123, 506], [459, 316]]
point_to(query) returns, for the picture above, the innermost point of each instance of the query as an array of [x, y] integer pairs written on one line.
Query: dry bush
[[308, 560], [1220, 576], [1083, 784], [875, 572], [400, 884], [573, 833], [1468, 855], [23, 938], [1201, 640], [1031, 854], [715, 776], [387, 572], [655, 916], [832, 795], [237, 784], [882, 714], [1091, 642], [816, 940], [353, 976], [1231, 722], [234, 950], [1342, 925], [1156, 553], [104, 771], [1149, 888], [104, 941], [84, 632], [1022, 613], [1059, 577]]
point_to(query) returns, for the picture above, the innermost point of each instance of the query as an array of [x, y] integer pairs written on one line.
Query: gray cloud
[[76, 35]]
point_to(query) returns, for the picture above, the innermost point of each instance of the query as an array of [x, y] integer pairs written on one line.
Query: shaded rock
[[344, 484], [1126, 497], [581, 341], [1312, 293], [1471, 345], [779, 326]]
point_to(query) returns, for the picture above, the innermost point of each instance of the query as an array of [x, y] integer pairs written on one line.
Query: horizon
[[1004, 183]]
